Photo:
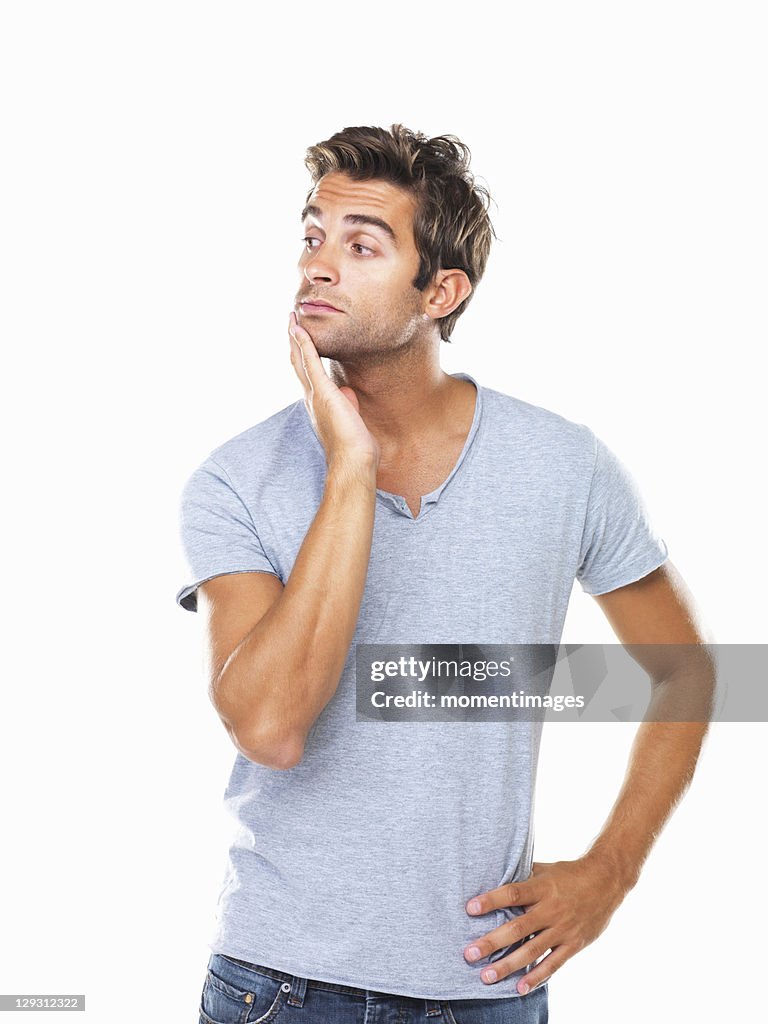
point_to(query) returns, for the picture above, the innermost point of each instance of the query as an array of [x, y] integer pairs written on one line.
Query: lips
[[318, 304]]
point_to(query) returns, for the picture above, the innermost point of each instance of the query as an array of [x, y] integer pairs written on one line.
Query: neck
[[403, 395]]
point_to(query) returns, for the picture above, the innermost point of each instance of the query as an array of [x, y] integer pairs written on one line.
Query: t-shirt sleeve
[[217, 532], [619, 544]]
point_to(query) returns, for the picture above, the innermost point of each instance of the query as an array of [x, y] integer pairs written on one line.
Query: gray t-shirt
[[354, 866]]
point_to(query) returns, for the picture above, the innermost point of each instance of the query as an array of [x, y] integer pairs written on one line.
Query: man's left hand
[[568, 904]]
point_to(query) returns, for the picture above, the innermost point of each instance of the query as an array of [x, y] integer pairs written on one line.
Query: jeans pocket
[[233, 995], [530, 1009]]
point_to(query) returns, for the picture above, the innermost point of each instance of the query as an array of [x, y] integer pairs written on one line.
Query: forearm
[[284, 672], [661, 766]]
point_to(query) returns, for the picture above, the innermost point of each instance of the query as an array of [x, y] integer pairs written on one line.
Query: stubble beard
[[370, 339]]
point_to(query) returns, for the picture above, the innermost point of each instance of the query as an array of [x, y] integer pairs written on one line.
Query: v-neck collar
[[428, 501]]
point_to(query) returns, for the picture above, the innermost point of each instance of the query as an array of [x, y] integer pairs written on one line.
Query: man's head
[[397, 236]]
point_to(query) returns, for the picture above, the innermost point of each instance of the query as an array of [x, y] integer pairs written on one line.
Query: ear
[[447, 291]]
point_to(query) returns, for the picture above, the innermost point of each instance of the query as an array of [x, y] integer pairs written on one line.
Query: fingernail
[[473, 953], [473, 906], [489, 976], [523, 988]]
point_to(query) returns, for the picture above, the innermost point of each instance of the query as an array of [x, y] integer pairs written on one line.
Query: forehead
[[338, 193]]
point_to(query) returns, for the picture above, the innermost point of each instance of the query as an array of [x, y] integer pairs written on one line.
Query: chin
[[331, 351], [328, 344]]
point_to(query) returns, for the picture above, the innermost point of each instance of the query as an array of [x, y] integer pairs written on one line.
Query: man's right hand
[[334, 411]]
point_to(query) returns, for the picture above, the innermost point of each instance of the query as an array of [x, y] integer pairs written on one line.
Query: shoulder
[[270, 453], [538, 430], [268, 437], [284, 440]]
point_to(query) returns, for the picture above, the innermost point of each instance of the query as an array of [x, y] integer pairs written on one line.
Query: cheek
[[380, 278]]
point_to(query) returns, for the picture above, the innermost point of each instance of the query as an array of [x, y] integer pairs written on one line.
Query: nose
[[320, 267]]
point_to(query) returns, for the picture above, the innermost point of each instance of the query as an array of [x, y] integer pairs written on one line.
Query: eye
[[358, 245], [307, 240]]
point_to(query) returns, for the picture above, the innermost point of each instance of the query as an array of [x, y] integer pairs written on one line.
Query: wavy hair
[[451, 225]]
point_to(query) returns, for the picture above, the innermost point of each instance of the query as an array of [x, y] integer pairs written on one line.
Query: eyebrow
[[353, 218]]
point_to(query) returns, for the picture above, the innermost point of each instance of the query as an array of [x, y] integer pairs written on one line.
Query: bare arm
[[568, 904], [657, 622], [277, 653]]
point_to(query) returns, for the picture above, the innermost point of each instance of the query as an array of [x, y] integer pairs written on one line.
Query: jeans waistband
[[271, 972]]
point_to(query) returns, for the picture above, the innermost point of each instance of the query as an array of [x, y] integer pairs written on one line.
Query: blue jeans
[[237, 992]]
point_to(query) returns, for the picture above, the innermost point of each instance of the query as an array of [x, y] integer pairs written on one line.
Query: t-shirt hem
[[187, 596], [630, 574], [329, 975]]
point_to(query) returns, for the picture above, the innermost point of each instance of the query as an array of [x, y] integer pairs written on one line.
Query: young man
[[389, 865]]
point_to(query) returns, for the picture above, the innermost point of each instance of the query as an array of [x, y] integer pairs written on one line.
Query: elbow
[[272, 753], [280, 758], [268, 741]]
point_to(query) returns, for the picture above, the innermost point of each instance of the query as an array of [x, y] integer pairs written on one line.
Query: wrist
[[614, 864], [353, 471]]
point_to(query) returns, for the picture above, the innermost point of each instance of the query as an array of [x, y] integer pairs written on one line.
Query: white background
[[152, 179]]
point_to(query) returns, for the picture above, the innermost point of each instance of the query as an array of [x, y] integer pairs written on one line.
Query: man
[[389, 864]]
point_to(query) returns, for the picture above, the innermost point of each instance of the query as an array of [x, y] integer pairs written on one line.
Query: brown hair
[[451, 226]]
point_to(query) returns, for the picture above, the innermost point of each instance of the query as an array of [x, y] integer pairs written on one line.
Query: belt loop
[[433, 1008], [298, 991]]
